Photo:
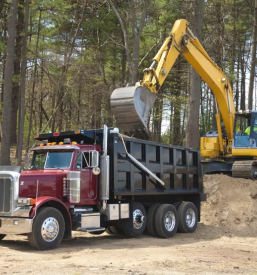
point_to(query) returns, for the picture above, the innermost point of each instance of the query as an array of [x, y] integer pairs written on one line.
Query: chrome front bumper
[[15, 225]]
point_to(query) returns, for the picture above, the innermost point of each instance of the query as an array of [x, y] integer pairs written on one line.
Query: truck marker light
[[36, 136], [56, 134], [32, 202], [53, 143], [15, 222], [64, 188], [77, 132], [49, 143], [61, 143], [74, 142], [42, 144]]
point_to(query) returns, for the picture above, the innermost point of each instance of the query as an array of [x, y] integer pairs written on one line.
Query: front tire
[[48, 229], [136, 224], [188, 217], [2, 236], [166, 221]]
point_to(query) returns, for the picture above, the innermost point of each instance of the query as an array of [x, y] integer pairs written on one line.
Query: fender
[[46, 200]]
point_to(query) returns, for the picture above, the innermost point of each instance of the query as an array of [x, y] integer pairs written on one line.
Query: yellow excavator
[[233, 147]]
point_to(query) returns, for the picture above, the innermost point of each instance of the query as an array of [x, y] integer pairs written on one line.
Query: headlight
[[25, 201]]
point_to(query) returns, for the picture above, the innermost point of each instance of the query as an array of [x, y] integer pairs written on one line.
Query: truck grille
[[5, 195]]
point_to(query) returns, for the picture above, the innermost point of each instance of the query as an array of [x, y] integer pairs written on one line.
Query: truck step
[[93, 229]]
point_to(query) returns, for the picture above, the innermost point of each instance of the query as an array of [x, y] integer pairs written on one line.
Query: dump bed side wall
[[178, 167]]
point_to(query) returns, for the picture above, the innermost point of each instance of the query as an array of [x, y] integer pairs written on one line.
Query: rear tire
[[136, 224], [166, 221], [150, 220], [2, 236], [48, 229], [188, 217]]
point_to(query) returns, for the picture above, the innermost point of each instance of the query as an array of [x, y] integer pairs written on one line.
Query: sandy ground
[[224, 242]]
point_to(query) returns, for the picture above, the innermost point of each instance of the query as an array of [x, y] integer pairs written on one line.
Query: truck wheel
[[136, 224], [48, 229], [166, 221], [116, 230], [150, 220], [2, 236], [188, 217]]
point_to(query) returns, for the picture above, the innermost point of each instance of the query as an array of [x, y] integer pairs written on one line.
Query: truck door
[[89, 181]]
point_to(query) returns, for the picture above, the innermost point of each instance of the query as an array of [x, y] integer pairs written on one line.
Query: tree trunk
[[242, 105], [17, 71], [137, 28], [23, 83], [253, 59], [193, 137], [7, 100], [34, 82]]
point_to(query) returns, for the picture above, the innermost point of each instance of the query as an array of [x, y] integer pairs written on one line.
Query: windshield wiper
[[53, 166]]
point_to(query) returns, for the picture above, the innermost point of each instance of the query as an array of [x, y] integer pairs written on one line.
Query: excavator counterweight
[[131, 107]]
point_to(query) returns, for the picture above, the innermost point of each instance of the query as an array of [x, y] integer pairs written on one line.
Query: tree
[[253, 59], [8, 75], [192, 135], [23, 84]]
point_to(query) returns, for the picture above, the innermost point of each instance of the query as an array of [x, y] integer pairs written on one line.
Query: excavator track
[[131, 107], [245, 169]]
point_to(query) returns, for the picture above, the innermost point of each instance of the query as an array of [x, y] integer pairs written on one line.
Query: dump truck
[[99, 180]]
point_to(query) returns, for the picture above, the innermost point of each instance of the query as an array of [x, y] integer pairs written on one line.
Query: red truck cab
[[48, 173]]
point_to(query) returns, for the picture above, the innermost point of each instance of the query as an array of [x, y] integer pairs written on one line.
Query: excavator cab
[[245, 132]]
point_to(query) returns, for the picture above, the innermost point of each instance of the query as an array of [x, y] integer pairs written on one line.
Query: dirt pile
[[231, 205]]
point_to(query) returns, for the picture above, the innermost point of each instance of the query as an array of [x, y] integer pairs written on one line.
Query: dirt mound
[[231, 205]]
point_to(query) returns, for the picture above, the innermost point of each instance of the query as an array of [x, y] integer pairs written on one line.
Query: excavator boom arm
[[182, 41]]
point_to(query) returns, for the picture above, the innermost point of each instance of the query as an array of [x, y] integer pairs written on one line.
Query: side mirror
[[95, 159]]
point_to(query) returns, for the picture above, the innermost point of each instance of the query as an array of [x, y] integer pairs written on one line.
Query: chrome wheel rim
[[169, 221], [138, 219], [190, 218], [50, 229]]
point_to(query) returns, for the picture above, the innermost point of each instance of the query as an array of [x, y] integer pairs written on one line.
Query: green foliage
[[81, 59]]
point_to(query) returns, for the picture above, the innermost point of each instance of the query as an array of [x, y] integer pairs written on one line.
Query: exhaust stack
[[105, 168]]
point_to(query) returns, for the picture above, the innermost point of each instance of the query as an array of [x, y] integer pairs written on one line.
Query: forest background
[[60, 60]]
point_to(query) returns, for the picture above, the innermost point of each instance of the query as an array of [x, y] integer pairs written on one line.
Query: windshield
[[242, 130], [51, 159]]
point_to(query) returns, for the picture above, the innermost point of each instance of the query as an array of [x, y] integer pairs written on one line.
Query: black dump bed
[[178, 167]]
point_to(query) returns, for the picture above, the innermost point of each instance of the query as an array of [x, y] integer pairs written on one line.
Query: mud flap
[[131, 107]]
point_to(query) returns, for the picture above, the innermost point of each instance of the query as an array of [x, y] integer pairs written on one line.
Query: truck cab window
[[51, 159], [38, 161], [79, 161], [86, 163]]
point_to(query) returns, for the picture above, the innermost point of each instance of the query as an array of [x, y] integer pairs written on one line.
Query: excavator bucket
[[131, 107]]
